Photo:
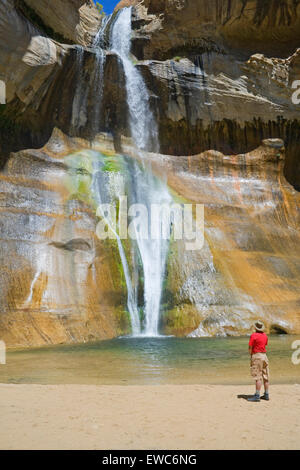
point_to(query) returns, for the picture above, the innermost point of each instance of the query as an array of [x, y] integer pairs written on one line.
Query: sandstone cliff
[[245, 27], [216, 78], [250, 264], [59, 283], [220, 75], [72, 20], [42, 77]]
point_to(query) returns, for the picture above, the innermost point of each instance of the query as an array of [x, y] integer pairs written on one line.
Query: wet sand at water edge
[[147, 417]]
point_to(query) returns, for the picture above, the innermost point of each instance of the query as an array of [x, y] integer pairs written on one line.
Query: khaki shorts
[[260, 367]]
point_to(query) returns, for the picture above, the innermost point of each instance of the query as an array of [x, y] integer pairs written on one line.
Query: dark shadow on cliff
[[32, 127], [229, 137]]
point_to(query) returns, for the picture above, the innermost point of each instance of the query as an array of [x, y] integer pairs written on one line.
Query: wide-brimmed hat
[[259, 326]]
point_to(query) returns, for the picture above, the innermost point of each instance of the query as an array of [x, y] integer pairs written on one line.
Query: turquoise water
[[148, 361]]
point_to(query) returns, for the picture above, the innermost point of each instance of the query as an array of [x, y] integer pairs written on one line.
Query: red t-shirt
[[258, 341]]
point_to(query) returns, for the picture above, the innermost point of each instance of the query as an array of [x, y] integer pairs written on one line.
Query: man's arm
[[250, 345]]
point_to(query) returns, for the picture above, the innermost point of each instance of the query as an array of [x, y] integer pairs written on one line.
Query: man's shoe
[[265, 397], [254, 398]]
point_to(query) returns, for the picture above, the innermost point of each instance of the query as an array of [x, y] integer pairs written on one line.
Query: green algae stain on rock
[[79, 178]]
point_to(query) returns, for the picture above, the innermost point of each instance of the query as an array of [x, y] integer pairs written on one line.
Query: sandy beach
[[147, 417]]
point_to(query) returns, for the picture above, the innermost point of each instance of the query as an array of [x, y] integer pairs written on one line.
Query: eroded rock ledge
[[167, 28], [227, 94], [220, 76], [43, 78], [75, 21], [60, 283]]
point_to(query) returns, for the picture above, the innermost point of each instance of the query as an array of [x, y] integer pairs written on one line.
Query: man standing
[[259, 361]]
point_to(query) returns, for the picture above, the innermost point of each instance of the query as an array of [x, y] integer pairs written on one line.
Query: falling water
[[104, 191], [100, 58], [80, 96], [146, 189], [100, 38], [142, 123], [84, 87]]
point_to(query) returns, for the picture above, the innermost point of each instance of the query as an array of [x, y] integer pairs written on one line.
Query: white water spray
[[143, 126], [100, 58], [147, 189], [81, 95], [100, 187]]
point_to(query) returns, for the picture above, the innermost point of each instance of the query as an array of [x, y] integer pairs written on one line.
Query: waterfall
[[100, 38], [146, 189], [82, 91], [104, 191], [80, 96], [143, 126], [131, 293], [100, 58]]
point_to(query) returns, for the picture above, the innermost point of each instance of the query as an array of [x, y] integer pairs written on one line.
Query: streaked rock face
[[220, 76], [74, 20], [250, 264], [57, 274], [59, 283], [220, 97], [218, 102], [27, 57], [167, 28], [43, 79]]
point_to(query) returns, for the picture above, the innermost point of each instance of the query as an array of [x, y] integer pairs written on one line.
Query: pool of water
[[163, 360]]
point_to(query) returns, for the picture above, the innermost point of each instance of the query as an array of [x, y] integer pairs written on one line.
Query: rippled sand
[[147, 417]]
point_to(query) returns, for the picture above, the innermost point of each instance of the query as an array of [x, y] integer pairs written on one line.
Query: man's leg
[[256, 372], [266, 385], [266, 395], [258, 387], [266, 375], [256, 397]]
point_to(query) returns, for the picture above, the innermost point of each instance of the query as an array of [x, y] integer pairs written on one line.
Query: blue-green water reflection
[[148, 361]]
